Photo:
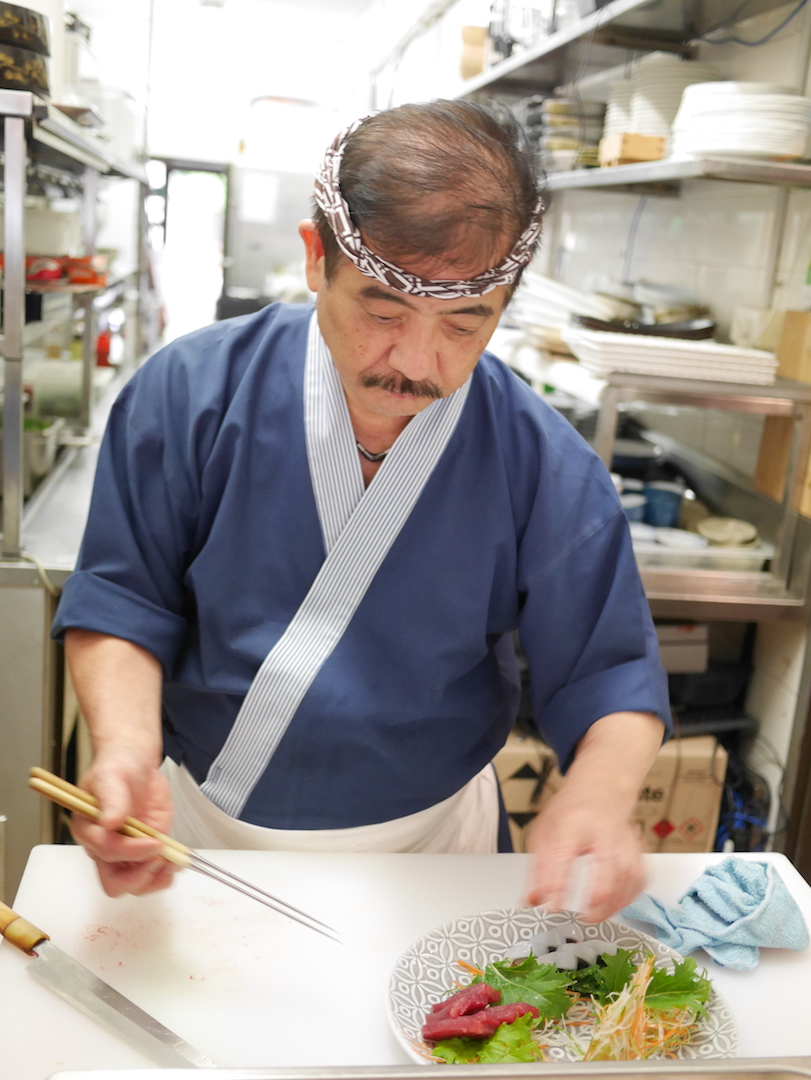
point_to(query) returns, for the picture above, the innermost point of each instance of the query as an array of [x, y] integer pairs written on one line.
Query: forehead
[[480, 306], [362, 287]]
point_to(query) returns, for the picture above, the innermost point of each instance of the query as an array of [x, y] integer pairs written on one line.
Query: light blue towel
[[732, 911]]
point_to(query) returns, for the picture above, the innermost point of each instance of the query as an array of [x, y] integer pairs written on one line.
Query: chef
[[313, 534]]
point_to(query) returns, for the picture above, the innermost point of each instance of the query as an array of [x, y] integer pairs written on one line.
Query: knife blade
[[96, 998]]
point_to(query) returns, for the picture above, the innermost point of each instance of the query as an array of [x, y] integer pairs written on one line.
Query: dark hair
[[434, 180]]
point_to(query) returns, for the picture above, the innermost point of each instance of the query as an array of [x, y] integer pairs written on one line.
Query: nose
[[415, 353]]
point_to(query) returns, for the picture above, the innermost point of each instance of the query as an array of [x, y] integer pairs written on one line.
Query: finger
[[150, 877], [113, 847], [550, 880], [133, 878], [616, 883]]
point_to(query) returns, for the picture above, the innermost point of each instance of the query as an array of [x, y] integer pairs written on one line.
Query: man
[[312, 537]]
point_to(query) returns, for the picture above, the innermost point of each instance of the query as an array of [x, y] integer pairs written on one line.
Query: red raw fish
[[467, 1000]]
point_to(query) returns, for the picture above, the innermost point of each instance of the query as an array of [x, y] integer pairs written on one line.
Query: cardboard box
[[678, 805], [683, 647], [624, 149]]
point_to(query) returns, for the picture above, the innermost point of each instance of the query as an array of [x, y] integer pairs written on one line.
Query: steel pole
[[13, 323]]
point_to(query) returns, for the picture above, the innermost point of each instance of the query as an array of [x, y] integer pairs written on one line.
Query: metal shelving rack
[[666, 172], [593, 42], [27, 119], [39, 549], [780, 592]]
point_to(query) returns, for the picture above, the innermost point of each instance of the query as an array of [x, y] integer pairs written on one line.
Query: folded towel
[[732, 911]]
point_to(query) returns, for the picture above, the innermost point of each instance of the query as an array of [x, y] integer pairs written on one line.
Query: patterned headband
[[329, 198]]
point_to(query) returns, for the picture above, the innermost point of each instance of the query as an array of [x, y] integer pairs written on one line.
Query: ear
[[314, 254]]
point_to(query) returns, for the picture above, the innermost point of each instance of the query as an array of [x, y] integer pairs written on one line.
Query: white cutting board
[[250, 988], [238, 981]]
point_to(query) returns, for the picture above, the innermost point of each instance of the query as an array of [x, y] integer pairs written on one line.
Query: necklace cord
[[368, 453]]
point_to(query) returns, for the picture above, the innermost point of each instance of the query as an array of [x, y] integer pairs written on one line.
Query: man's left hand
[[591, 815]]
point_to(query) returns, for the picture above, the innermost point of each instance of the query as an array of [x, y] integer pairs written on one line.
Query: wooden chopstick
[[82, 802]]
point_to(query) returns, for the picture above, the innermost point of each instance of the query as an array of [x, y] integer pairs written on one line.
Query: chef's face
[[395, 353]]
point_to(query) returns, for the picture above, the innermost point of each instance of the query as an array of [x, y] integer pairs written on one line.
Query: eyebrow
[[376, 292]]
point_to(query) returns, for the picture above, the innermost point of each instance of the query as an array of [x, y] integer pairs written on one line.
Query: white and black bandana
[[329, 198]]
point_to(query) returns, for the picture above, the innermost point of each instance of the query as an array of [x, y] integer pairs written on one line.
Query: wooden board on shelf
[[793, 362], [628, 149]]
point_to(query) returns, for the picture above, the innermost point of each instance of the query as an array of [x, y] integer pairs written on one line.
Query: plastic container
[[664, 503], [40, 444], [634, 506]]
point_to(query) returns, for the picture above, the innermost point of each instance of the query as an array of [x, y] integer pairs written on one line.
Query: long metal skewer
[[225, 877], [72, 798]]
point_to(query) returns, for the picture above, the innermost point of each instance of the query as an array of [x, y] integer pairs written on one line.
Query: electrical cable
[[746, 803], [630, 244], [728, 20], [732, 38], [589, 44]]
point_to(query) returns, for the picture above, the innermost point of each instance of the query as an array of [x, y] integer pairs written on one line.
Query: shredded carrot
[[626, 1030], [469, 967]]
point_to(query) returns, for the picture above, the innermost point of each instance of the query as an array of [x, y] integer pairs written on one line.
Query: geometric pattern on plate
[[427, 970]]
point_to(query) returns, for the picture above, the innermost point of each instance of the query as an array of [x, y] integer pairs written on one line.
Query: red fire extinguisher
[[103, 348]]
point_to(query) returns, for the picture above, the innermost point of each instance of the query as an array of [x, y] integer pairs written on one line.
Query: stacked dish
[[601, 353], [542, 302], [618, 109], [658, 83], [742, 119], [565, 132]]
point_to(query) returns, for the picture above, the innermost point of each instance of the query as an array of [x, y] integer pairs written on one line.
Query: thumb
[[115, 797]]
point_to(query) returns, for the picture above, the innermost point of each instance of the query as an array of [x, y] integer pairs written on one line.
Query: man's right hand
[[127, 784], [118, 685]]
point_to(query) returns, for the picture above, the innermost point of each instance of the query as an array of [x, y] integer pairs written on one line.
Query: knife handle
[[18, 932]]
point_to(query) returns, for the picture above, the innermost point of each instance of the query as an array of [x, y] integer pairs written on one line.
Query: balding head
[[447, 182]]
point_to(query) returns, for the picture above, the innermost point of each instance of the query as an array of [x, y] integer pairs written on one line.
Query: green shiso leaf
[[683, 988], [541, 985], [509, 1042]]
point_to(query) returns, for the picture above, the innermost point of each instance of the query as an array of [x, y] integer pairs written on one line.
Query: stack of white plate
[[542, 302], [742, 119], [601, 353], [618, 109], [658, 82]]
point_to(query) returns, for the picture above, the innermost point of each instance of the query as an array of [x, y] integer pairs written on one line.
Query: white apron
[[466, 823], [359, 526]]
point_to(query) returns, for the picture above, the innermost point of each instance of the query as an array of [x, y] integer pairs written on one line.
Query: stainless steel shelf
[[72, 142], [719, 594], [54, 129], [597, 41], [541, 63], [747, 170]]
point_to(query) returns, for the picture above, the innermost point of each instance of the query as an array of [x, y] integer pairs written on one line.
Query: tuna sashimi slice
[[473, 1025], [467, 1000]]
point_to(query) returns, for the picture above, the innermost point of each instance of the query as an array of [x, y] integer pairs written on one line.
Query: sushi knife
[[96, 998]]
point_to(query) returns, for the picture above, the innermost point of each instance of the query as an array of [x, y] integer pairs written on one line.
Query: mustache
[[424, 388]]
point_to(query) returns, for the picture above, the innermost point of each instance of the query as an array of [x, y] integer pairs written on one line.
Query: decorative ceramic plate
[[429, 969]]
